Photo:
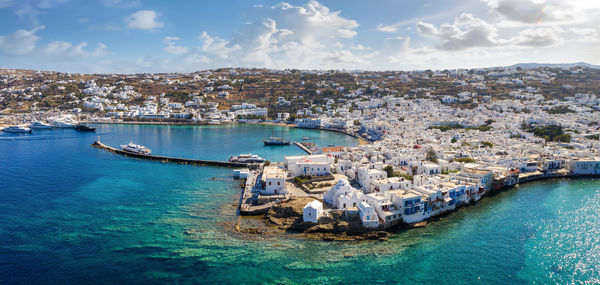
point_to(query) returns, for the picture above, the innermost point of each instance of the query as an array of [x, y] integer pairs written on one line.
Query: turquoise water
[[74, 214]]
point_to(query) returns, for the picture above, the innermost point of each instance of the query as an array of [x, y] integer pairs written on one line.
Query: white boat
[[247, 158], [17, 129], [136, 148], [63, 124], [39, 125]]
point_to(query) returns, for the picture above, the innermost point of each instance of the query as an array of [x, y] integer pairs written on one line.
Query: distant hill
[[554, 65]]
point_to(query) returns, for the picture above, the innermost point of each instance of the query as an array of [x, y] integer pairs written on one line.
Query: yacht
[[136, 148], [62, 124], [17, 129], [84, 128], [247, 158], [39, 125]]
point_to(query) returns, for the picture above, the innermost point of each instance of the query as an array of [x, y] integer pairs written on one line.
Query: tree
[[431, 156], [453, 140], [356, 122], [389, 170], [489, 122]]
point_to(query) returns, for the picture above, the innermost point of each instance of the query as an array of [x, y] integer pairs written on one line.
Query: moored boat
[[136, 148], [84, 128], [247, 158], [62, 124], [276, 141], [39, 125], [17, 129]]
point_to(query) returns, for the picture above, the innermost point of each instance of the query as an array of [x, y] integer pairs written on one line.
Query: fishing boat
[[16, 129]]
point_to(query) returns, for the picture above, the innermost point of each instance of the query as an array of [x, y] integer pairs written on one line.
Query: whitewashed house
[[273, 179], [312, 212], [367, 215]]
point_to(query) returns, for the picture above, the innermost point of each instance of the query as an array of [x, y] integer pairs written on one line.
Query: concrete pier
[[100, 145], [303, 147]]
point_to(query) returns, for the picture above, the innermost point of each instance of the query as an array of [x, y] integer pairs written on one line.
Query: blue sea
[[74, 214]]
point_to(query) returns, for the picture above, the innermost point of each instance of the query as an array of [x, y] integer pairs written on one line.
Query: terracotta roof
[[334, 149]]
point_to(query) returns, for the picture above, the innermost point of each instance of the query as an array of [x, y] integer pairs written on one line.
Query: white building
[[365, 176], [367, 215], [585, 166], [273, 179], [312, 212], [317, 165]]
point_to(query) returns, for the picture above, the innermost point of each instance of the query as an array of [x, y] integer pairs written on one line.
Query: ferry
[[136, 148], [17, 129], [39, 125], [247, 158], [84, 128], [276, 141]]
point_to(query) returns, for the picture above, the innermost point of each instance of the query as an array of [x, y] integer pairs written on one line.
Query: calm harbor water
[[71, 213]]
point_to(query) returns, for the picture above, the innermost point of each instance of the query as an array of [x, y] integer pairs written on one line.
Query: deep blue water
[[71, 213]]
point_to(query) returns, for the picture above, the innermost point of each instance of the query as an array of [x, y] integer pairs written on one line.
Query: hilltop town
[[437, 140]]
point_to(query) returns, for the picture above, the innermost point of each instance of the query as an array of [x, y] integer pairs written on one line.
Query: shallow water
[[74, 214]]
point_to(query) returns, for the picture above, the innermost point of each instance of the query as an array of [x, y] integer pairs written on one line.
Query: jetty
[[303, 147], [161, 158]]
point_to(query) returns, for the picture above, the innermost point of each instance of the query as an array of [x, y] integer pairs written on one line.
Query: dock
[[303, 147], [161, 158]]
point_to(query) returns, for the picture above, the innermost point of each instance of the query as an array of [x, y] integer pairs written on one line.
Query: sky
[[132, 36]]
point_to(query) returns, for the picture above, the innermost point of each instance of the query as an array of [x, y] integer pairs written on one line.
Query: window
[[277, 182], [269, 182]]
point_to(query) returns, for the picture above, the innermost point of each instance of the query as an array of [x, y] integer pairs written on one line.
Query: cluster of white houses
[[380, 201]]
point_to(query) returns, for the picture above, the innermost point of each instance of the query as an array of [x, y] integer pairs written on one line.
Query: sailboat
[[277, 140]]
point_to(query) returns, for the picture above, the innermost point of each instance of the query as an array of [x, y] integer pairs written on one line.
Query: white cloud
[[467, 31], [172, 48], [536, 11], [67, 49], [217, 46], [144, 20], [360, 47], [387, 29], [21, 42], [585, 34], [541, 37]]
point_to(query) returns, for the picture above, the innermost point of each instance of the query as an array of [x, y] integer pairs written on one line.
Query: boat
[[276, 141], [84, 128], [305, 138], [16, 129], [62, 124], [136, 148], [39, 125], [247, 158]]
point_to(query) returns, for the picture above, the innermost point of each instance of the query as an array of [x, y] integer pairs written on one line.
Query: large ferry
[[276, 141], [17, 129], [247, 158], [136, 148], [39, 125]]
